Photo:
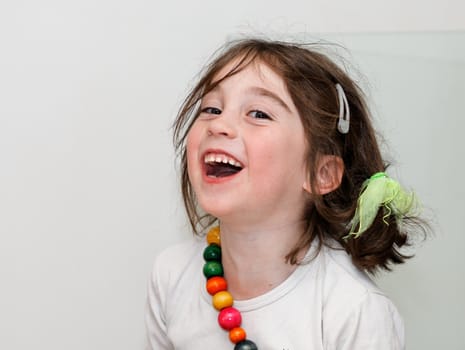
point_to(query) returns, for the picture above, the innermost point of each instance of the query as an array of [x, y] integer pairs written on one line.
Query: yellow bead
[[213, 236], [222, 299]]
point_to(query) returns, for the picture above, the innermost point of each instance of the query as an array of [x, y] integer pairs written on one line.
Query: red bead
[[229, 318], [216, 284], [237, 334]]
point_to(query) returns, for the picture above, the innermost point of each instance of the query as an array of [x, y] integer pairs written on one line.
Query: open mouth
[[221, 165]]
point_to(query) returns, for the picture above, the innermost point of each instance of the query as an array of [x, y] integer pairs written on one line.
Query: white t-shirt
[[325, 304]]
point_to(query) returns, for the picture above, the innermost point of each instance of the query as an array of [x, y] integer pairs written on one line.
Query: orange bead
[[237, 334], [222, 299], [216, 284], [213, 236]]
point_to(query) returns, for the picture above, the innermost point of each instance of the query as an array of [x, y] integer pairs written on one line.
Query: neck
[[254, 258]]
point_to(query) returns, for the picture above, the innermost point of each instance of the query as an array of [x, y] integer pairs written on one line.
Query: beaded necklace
[[229, 318]]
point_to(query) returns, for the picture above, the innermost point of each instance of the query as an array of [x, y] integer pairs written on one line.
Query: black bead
[[246, 345]]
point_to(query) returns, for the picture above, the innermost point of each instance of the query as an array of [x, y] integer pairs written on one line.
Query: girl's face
[[246, 150]]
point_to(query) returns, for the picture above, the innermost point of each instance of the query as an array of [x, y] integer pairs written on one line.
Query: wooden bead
[[229, 318], [212, 268], [212, 253], [216, 284], [237, 334], [246, 345], [222, 299], [213, 236]]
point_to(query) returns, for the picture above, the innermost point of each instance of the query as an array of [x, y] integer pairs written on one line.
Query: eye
[[259, 114], [211, 110]]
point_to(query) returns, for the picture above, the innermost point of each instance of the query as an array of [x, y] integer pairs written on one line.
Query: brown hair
[[310, 78]]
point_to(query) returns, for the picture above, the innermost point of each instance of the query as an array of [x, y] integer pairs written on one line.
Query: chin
[[216, 208]]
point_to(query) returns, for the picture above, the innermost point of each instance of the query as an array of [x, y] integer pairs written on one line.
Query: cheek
[[192, 149], [283, 158], [191, 145], [266, 157]]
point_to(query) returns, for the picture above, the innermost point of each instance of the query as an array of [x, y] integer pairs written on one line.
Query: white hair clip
[[344, 112]]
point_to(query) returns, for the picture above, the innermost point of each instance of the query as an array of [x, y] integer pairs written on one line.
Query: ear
[[328, 175]]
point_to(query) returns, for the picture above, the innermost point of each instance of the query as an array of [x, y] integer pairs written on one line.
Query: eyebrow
[[267, 93], [257, 90]]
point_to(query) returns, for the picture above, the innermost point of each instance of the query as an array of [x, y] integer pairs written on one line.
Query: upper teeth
[[221, 158]]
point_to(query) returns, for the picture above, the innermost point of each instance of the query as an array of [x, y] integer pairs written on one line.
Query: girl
[[280, 161]]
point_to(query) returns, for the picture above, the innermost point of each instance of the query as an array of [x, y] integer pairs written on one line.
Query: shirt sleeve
[[372, 323], [155, 320]]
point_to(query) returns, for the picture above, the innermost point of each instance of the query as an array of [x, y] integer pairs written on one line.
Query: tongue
[[221, 170]]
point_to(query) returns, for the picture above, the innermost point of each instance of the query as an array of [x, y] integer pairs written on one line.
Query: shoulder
[[172, 262], [356, 313], [176, 269], [174, 272], [181, 252], [343, 280]]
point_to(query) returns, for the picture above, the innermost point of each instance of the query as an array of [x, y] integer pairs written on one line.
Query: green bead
[[212, 268], [212, 253]]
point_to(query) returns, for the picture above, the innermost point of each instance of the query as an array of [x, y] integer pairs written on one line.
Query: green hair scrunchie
[[380, 191]]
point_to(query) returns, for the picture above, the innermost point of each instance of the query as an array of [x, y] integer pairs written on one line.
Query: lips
[[220, 165]]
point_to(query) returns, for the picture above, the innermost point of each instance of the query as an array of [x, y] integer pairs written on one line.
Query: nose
[[223, 125]]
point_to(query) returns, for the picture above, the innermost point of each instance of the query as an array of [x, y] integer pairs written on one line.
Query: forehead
[[253, 78], [250, 71]]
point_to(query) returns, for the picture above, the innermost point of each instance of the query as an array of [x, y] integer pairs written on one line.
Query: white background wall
[[88, 188]]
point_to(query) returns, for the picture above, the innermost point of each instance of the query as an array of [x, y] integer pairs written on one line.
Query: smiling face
[[246, 149]]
